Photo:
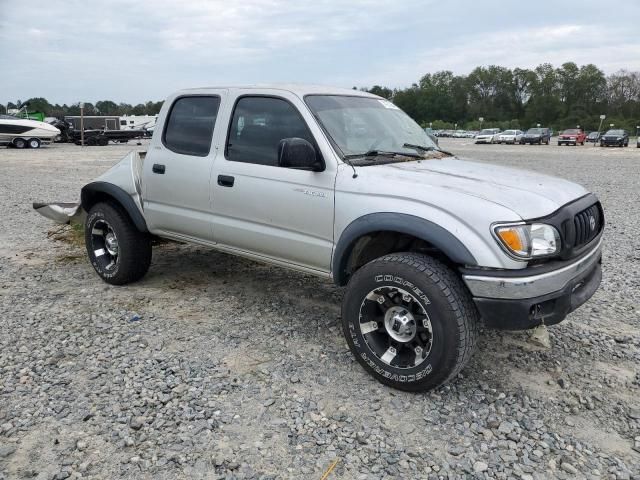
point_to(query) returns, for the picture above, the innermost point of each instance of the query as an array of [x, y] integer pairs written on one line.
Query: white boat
[[24, 133]]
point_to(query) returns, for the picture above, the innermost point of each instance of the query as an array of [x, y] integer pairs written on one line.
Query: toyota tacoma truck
[[344, 185]]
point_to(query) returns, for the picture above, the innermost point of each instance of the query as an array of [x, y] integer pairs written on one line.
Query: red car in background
[[572, 136]]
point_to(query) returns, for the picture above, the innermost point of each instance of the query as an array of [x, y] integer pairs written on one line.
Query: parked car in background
[[510, 136], [615, 138], [593, 137], [572, 136], [471, 134], [459, 134], [536, 135], [488, 135]]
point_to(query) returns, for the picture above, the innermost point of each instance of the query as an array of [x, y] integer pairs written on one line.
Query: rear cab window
[[190, 123]]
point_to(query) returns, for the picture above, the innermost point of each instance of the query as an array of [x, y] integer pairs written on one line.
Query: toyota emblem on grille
[[592, 223]]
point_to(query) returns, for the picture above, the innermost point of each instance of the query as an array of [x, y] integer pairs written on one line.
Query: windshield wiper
[[371, 153], [426, 149], [420, 148], [380, 153]]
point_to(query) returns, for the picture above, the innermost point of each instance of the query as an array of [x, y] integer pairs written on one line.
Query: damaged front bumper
[[528, 300], [61, 212]]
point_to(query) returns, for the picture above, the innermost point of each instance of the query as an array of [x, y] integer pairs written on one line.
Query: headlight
[[619, 138], [529, 240]]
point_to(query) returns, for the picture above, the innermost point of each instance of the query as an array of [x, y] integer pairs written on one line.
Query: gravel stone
[[6, 450], [479, 467], [567, 467]]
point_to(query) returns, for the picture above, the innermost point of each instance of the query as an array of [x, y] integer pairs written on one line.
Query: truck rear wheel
[[409, 321], [118, 251], [19, 143]]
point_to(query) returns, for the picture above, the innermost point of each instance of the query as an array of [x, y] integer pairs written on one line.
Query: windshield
[[509, 132], [615, 132], [488, 131], [535, 131], [362, 124], [571, 131]]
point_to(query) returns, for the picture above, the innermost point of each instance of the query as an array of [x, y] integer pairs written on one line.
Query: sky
[[138, 50]]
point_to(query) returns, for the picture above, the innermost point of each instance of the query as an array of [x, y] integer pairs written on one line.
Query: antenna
[[348, 162]]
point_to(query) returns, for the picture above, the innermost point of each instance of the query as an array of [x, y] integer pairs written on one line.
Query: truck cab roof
[[297, 89]]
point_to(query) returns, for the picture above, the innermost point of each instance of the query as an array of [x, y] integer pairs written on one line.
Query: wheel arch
[[382, 227], [95, 192]]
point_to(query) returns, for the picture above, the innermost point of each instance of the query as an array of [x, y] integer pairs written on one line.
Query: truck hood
[[528, 194]]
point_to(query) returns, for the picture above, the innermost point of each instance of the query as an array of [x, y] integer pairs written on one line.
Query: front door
[[177, 169], [261, 208]]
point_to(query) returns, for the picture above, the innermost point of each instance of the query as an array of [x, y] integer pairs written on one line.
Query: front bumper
[[522, 302], [612, 143]]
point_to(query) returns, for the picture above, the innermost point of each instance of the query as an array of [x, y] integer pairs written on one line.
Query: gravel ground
[[217, 367]]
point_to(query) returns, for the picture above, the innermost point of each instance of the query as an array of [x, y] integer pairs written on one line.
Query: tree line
[[559, 98], [562, 97], [103, 107]]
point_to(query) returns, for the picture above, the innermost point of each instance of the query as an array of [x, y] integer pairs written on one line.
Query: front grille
[[587, 225]]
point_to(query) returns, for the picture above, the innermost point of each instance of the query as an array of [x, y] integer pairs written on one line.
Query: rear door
[[266, 210], [177, 170]]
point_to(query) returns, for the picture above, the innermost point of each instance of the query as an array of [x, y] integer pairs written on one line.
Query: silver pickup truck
[[342, 184]]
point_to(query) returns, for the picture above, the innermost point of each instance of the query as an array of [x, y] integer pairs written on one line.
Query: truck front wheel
[[409, 321], [118, 251]]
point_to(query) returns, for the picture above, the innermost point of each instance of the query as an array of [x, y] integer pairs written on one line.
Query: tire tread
[[138, 243], [454, 291]]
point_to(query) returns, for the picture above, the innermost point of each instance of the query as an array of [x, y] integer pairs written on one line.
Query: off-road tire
[[440, 293], [134, 247]]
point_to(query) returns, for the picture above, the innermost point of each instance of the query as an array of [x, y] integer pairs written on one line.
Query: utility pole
[[602, 117], [82, 124]]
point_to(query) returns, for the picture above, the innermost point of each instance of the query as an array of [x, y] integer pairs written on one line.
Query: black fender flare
[[91, 192], [418, 227]]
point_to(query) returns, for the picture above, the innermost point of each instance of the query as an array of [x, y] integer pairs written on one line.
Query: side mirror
[[299, 154]]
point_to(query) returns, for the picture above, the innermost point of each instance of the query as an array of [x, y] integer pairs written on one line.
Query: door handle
[[225, 180], [158, 168]]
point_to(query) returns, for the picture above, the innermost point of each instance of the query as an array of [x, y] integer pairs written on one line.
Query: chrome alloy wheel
[[396, 327], [105, 244]]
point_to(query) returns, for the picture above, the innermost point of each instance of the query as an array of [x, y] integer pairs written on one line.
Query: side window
[[257, 126], [189, 126]]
